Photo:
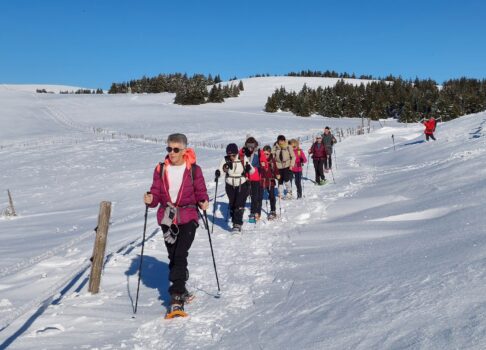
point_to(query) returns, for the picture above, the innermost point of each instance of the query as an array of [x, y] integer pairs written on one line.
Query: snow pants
[[237, 196], [319, 168], [178, 253]]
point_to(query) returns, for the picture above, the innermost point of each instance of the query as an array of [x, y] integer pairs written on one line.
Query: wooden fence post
[[10, 201], [99, 247]]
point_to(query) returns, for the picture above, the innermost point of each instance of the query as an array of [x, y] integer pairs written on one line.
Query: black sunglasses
[[175, 149]]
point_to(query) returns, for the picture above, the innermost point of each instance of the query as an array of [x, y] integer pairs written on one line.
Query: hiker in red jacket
[[257, 160], [268, 178], [430, 128], [178, 189]]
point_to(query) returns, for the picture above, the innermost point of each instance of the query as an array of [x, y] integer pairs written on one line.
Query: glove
[[247, 152], [170, 236], [302, 160], [247, 167], [217, 174]]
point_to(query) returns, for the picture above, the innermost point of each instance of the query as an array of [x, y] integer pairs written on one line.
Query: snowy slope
[[391, 256]]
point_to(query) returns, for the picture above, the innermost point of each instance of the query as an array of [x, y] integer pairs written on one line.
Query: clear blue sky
[[93, 43]]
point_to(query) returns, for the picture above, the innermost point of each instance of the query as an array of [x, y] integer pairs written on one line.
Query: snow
[[390, 255]]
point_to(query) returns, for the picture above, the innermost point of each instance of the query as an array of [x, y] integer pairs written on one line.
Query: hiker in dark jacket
[[328, 140], [319, 155]]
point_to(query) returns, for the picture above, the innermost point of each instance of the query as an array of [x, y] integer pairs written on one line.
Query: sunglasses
[[175, 149]]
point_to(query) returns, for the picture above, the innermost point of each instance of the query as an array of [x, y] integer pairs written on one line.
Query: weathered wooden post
[[10, 201], [99, 247]]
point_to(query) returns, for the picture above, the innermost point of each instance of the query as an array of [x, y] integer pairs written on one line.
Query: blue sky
[[93, 43]]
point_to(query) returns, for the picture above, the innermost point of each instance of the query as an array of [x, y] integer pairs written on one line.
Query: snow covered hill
[[390, 256]]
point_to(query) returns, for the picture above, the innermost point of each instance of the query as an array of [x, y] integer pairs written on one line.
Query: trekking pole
[[335, 158], [280, 206], [141, 257], [214, 203], [206, 224], [393, 139], [332, 173]]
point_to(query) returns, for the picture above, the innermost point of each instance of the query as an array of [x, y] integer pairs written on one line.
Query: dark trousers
[[256, 194], [237, 196], [319, 168], [298, 183], [328, 163], [271, 196], [429, 135], [178, 252], [285, 175]]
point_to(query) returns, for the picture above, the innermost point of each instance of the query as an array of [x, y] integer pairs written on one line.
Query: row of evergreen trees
[[401, 99], [189, 90], [83, 91], [331, 74], [161, 83]]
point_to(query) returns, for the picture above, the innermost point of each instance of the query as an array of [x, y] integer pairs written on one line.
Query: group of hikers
[[251, 171], [179, 191]]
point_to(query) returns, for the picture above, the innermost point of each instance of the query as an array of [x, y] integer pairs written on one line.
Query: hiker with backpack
[[257, 159], [179, 190], [300, 160], [237, 186], [319, 156], [285, 159], [268, 179], [328, 140]]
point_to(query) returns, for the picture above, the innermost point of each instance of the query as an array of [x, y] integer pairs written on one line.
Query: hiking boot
[[236, 228], [251, 219], [272, 215]]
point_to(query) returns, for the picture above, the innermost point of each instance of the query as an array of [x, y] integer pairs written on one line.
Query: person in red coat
[[430, 128], [178, 189]]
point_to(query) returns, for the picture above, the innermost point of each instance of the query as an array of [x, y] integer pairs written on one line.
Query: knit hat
[[232, 148], [280, 138]]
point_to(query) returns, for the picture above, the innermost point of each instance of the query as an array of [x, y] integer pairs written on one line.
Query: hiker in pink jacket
[[178, 189], [300, 160]]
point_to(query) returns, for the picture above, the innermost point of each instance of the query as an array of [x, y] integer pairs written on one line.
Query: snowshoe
[[176, 310], [322, 182], [176, 307], [236, 228], [272, 215], [252, 219]]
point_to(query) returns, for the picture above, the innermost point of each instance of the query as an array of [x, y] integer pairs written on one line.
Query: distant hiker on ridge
[[430, 126]]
